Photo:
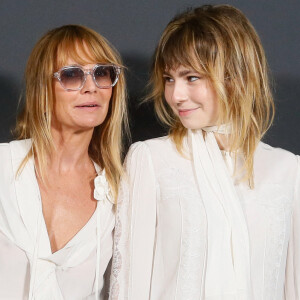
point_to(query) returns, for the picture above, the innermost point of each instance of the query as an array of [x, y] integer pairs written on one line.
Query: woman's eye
[[168, 79], [193, 78]]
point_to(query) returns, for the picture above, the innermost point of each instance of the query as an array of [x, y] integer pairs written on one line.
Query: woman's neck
[[223, 141], [71, 151]]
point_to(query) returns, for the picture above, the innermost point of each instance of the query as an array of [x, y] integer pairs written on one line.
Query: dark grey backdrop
[[134, 28]]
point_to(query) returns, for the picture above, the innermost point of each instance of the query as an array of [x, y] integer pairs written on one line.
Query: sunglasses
[[72, 78]]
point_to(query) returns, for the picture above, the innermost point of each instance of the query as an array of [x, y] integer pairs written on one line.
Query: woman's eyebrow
[[185, 72]]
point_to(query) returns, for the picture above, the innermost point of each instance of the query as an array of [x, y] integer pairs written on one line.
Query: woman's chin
[[76, 127], [88, 123]]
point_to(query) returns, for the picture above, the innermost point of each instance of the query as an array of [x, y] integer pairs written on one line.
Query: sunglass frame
[[86, 72]]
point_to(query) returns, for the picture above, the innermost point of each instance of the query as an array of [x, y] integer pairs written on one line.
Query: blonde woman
[[209, 211], [59, 180]]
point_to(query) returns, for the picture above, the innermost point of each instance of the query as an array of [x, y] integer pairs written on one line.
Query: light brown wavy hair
[[219, 42], [51, 52]]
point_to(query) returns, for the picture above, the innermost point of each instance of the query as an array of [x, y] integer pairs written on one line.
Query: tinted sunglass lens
[[72, 78], [105, 76]]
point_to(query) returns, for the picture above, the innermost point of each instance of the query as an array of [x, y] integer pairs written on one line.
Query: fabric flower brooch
[[102, 189]]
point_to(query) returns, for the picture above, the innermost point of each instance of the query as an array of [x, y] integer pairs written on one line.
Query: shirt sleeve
[[292, 280], [135, 227], [8, 204]]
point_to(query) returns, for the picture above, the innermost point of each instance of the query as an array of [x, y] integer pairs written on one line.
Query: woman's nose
[[89, 85], [179, 93]]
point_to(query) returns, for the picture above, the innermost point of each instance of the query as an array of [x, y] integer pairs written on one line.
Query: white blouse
[[159, 251], [25, 252]]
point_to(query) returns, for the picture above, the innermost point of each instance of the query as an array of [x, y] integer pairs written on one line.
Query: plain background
[[134, 28]]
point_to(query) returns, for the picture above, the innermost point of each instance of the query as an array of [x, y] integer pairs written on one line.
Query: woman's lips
[[88, 107], [186, 112]]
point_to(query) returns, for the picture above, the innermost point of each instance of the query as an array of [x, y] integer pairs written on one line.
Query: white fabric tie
[[102, 192], [222, 129], [227, 271]]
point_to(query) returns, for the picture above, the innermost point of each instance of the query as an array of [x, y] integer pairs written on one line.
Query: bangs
[[83, 48], [77, 52], [176, 51], [181, 48]]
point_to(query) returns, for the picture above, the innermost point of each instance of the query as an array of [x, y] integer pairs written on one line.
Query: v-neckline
[[44, 231]]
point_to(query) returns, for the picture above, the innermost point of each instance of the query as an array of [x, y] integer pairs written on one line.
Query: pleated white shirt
[[159, 251]]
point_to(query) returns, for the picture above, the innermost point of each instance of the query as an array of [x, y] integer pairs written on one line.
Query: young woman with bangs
[[59, 179], [209, 211]]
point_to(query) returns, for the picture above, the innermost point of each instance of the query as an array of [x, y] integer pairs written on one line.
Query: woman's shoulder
[[155, 143], [19, 147], [158, 154], [154, 148], [5, 157], [276, 163], [12, 153], [4, 147], [275, 154]]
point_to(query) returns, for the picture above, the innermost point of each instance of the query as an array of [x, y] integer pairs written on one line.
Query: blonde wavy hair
[[51, 52], [219, 42]]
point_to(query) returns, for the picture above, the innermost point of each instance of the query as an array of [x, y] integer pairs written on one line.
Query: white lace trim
[[190, 273], [120, 271]]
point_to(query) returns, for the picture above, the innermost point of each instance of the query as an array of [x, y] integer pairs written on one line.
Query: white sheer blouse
[[66, 274], [159, 251]]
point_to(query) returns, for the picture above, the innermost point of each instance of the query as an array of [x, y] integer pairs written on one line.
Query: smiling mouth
[[185, 112]]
